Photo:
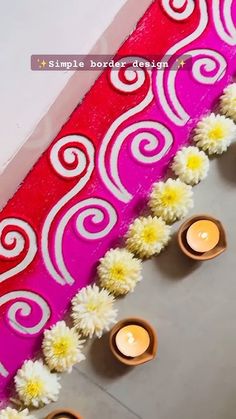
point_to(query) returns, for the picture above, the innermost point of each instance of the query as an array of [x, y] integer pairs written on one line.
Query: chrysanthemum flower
[[10, 413], [93, 311], [119, 271], [171, 200], [215, 133], [228, 101], [147, 236], [62, 347], [191, 165], [36, 385]]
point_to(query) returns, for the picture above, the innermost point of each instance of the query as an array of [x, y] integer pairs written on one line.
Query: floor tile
[[88, 399]]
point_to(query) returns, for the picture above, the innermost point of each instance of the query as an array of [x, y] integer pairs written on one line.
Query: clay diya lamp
[[64, 414], [202, 237], [133, 341]]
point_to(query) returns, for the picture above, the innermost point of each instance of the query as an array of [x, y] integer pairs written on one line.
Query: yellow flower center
[[118, 272], [149, 234], [34, 388], [171, 196], [91, 306], [217, 133], [194, 162], [62, 346]]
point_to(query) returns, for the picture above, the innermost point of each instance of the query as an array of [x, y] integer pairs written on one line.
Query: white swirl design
[[97, 217], [178, 9], [179, 117], [134, 78], [88, 207], [14, 234], [71, 156], [151, 143], [24, 309], [225, 27], [211, 62]]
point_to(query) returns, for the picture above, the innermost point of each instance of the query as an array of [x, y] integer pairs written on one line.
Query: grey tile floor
[[193, 307]]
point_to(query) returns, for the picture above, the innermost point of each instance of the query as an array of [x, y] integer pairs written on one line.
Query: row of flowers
[[120, 269]]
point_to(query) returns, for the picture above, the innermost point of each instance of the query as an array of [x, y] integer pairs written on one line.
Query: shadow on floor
[[227, 164], [103, 361], [174, 264]]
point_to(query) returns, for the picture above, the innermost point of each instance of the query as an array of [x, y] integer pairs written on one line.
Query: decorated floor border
[[82, 194]]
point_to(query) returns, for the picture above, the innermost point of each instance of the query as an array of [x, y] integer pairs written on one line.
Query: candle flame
[[130, 337], [203, 235]]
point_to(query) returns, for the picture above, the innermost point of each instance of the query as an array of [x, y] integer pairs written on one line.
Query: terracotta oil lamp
[[64, 414], [133, 341], [202, 237]]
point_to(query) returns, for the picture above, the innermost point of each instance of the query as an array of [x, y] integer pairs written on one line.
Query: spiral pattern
[[211, 62], [150, 143], [97, 216], [24, 308], [178, 9], [222, 15], [96, 209], [128, 79], [16, 236], [208, 67], [132, 80], [71, 156], [165, 80]]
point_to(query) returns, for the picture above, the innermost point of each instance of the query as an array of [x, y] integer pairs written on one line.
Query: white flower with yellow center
[[191, 165], [215, 133], [147, 236], [36, 385], [10, 413], [171, 200], [119, 271], [228, 101], [93, 311], [62, 347]]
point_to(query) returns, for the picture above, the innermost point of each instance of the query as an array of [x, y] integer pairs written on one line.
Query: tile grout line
[[107, 392]]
